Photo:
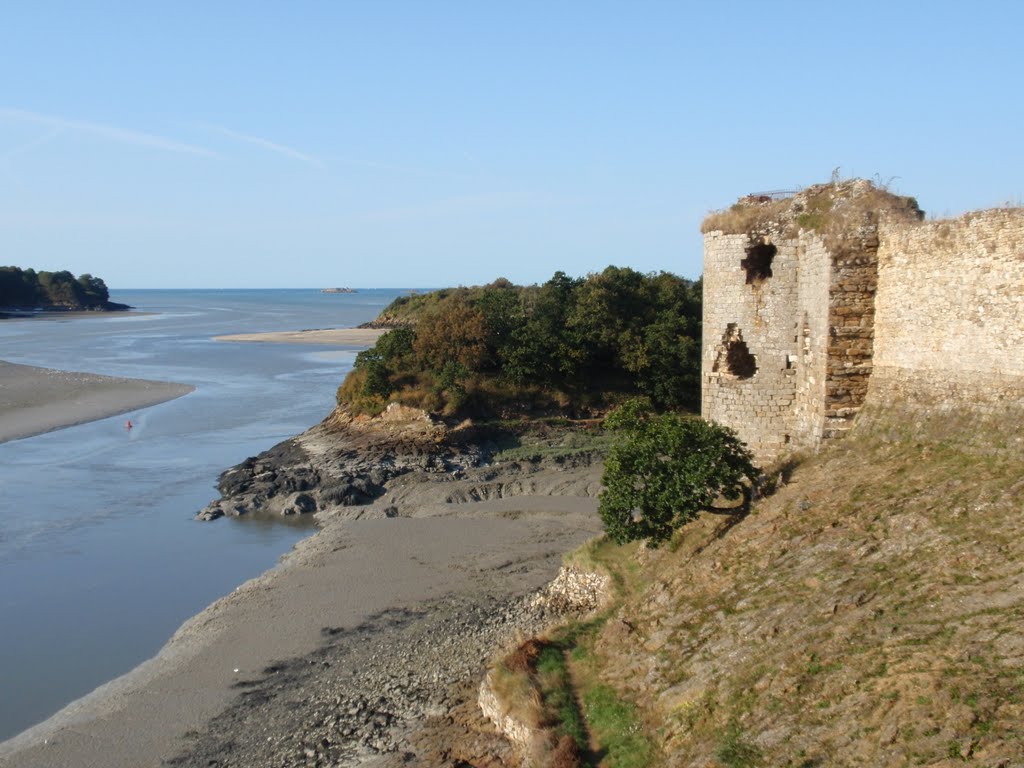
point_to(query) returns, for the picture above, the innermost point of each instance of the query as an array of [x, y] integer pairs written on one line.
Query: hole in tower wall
[[758, 264], [739, 362], [734, 357]]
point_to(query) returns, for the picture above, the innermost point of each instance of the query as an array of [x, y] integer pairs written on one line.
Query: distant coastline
[[338, 290]]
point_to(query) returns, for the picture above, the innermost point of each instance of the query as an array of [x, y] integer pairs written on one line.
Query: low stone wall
[[573, 591], [519, 733]]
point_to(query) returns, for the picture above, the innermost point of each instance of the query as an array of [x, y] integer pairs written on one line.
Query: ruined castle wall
[[851, 327], [765, 344], [949, 325], [811, 333]]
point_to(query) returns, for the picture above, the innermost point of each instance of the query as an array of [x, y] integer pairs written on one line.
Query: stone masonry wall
[[765, 348], [851, 328], [811, 331], [950, 313], [802, 330]]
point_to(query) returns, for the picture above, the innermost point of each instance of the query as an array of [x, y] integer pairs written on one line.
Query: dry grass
[[747, 215], [869, 611], [520, 699], [524, 658], [566, 754], [828, 209]]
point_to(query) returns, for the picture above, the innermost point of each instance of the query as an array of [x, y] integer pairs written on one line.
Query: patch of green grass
[[816, 667], [617, 728], [557, 694], [571, 443], [815, 221]]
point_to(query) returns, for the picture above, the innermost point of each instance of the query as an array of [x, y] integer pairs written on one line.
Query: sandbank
[[37, 400], [345, 337]]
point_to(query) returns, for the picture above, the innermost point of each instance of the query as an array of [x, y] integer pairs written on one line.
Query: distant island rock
[[339, 290]]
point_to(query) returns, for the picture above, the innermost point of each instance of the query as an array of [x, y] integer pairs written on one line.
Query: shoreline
[[347, 337], [36, 400], [15, 316], [456, 568]]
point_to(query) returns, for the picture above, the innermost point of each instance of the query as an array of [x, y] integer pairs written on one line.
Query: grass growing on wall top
[[828, 209]]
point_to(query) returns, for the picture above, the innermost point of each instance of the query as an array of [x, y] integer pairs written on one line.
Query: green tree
[[502, 308], [383, 360], [540, 351], [62, 289], [19, 288], [93, 290], [665, 469]]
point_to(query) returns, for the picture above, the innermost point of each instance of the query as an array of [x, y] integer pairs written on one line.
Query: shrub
[[665, 469]]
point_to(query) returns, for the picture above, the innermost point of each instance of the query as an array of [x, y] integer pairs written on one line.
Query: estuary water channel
[[100, 558]]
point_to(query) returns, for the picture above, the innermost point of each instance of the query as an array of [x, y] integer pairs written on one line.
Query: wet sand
[[345, 337], [339, 579], [37, 400]]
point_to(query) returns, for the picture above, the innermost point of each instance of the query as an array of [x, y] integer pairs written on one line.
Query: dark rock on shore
[[339, 463]]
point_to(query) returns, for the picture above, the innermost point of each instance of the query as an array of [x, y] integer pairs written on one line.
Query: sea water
[[100, 558]]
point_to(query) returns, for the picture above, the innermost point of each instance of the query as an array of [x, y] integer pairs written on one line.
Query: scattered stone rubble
[[360, 699], [575, 590]]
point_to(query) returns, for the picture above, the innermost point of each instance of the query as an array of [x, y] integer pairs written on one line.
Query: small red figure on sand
[[128, 424]]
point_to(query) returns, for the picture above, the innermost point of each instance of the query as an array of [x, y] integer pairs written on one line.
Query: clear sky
[[309, 144]]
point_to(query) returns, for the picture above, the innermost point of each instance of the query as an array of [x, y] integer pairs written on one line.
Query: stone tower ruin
[[789, 311]]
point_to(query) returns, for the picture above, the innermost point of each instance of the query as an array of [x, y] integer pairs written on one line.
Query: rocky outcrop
[[344, 461]]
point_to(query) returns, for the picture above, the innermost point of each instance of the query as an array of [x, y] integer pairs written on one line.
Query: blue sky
[[420, 144]]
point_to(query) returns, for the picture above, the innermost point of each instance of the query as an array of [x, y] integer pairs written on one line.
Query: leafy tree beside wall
[[665, 469]]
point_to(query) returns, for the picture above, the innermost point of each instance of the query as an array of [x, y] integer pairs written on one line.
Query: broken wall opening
[[758, 264], [734, 358]]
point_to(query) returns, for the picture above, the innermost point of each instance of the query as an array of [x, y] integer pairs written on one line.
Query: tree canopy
[[665, 469], [28, 289], [571, 343]]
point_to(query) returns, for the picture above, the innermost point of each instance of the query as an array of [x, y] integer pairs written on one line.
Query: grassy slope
[[870, 613]]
